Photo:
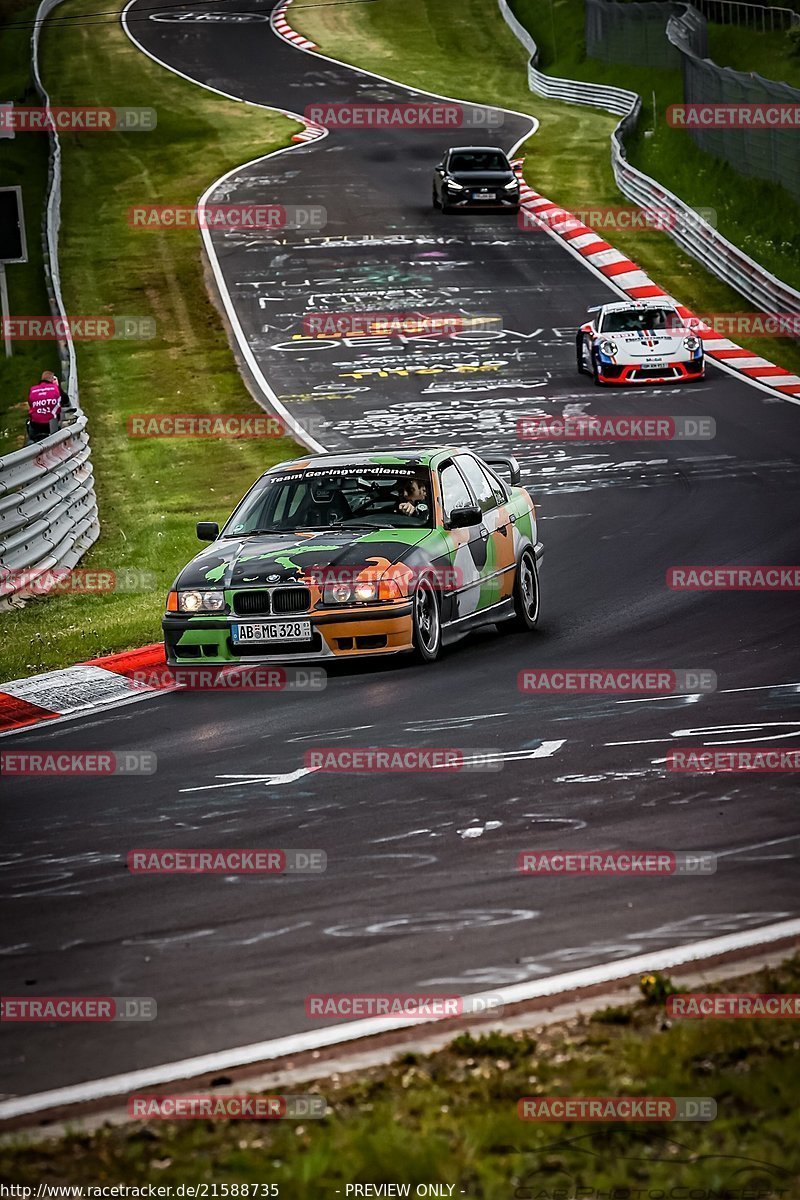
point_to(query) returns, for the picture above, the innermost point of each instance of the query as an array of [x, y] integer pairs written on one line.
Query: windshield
[[479, 160], [336, 498], [631, 320]]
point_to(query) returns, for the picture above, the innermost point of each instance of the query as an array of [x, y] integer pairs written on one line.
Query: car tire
[[426, 622], [527, 596], [579, 347], [435, 200], [598, 382]]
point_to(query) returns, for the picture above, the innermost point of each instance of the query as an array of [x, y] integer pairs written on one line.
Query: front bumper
[[500, 202], [352, 633], [633, 373]]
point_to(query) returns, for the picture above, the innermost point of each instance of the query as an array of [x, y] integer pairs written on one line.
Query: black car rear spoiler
[[506, 461]]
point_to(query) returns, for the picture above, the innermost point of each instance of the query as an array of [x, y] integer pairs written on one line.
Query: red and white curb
[[284, 29], [634, 282], [100, 683], [311, 133]]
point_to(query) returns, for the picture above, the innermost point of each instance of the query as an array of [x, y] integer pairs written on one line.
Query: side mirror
[[463, 518], [207, 531], [440, 166]]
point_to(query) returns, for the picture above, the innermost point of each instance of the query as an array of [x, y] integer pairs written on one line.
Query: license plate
[[486, 195], [272, 631]]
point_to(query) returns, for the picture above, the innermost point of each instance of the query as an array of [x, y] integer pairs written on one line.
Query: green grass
[[150, 492], [468, 52], [23, 163], [450, 1118], [773, 54]]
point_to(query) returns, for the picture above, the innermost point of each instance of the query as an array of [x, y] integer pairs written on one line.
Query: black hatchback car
[[475, 177]]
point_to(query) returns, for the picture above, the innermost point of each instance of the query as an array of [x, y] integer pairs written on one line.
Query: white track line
[[409, 87], [244, 346], [336, 1035]]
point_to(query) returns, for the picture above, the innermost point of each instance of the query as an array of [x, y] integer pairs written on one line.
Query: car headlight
[[608, 347], [454, 185], [365, 591], [362, 591], [691, 343], [337, 593], [193, 602], [512, 185]]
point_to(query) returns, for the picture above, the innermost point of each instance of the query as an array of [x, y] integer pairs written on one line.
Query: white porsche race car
[[639, 341]]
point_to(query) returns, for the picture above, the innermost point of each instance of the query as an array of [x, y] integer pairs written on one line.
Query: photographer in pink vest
[[44, 408]]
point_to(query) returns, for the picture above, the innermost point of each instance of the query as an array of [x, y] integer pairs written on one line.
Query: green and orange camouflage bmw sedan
[[355, 554]]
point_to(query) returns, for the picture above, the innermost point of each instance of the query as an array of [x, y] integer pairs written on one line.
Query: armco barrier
[[692, 234], [48, 508]]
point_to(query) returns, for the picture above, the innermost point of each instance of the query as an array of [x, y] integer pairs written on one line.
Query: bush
[[656, 987]]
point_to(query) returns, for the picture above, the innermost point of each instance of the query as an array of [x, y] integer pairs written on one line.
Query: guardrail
[[48, 512], [48, 508], [687, 228]]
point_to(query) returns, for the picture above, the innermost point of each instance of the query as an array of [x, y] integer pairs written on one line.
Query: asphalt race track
[[421, 890]]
